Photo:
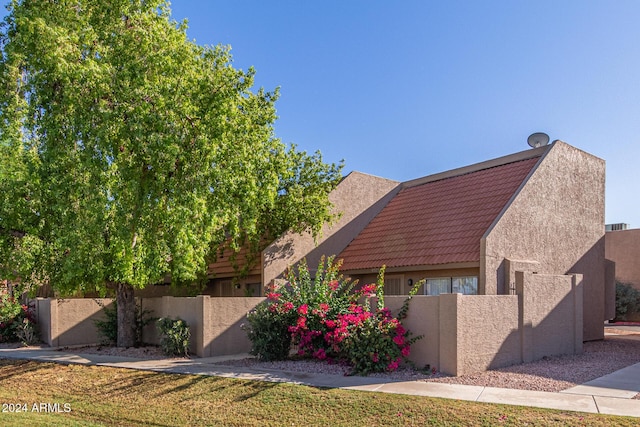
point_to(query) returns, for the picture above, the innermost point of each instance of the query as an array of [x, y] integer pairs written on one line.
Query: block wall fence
[[462, 334]]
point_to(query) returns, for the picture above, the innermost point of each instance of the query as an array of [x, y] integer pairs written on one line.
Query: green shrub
[[272, 327], [14, 319], [108, 328], [27, 332], [328, 318], [268, 331], [627, 301], [374, 341], [175, 336]]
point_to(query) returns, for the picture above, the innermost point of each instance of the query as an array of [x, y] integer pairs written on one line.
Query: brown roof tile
[[437, 222]]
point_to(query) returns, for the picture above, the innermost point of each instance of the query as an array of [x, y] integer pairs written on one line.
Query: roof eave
[[423, 267]]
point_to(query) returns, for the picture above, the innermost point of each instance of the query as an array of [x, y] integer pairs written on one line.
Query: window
[[224, 288], [393, 285], [464, 285], [439, 286], [456, 285]]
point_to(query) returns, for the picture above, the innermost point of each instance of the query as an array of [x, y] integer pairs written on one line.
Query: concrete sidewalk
[[611, 394]]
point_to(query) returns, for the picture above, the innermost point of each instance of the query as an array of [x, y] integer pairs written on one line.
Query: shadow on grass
[[14, 367]]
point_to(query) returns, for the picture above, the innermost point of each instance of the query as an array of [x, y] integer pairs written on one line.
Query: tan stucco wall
[[224, 327], [557, 220], [189, 309], [623, 248], [492, 342], [67, 322], [359, 197], [545, 318], [423, 319], [214, 322], [551, 314]]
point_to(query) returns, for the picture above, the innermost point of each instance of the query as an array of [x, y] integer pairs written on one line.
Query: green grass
[[100, 396]]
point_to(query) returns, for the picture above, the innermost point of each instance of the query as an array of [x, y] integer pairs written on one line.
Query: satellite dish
[[538, 139]]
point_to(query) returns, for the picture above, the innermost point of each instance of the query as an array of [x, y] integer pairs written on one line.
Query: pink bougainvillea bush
[[330, 318], [17, 321]]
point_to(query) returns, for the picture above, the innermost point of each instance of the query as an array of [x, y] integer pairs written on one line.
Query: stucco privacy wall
[[623, 248], [358, 198], [557, 220], [215, 323], [67, 322], [551, 314], [462, 334]]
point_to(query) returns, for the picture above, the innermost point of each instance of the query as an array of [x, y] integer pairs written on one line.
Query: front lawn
[[89, 395]]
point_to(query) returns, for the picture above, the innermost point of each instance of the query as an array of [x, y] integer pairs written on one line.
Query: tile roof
[[438, 222]]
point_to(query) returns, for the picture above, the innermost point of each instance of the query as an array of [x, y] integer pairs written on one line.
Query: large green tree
[[130, 153]]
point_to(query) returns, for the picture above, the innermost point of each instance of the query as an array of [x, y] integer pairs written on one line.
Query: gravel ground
[[549, 374]]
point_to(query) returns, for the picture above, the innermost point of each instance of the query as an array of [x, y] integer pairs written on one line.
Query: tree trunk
[[126, 305]]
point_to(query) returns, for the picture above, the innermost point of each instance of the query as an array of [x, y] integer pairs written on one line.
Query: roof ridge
[[477, 167]]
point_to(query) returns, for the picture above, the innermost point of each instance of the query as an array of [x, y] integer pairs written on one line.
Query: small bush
[[13, 316], [329, 319], [175, 336], [27, 332], [268, 331], [108, 328], [627, 301]]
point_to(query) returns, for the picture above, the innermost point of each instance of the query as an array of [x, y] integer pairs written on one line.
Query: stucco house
[[512, 251], [469, 230]]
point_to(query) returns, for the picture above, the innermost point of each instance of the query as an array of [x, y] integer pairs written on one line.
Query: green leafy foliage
[[269, 325], [329, 318], [108, 328], [627, 301], [268, 331], [174, 336], [27, 332], [17, 322], [129, 153]]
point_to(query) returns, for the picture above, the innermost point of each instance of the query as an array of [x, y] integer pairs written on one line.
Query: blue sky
[[405, 89]]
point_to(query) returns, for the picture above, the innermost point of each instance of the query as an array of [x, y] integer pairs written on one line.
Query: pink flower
[[303, 309], [273, 296], [369, 290], [406, 351], [324, 307], [392, 366], [287, 306], [334, 285], [374, 357], [331, 324], [302, 322], [320, 354], [398, 339]]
